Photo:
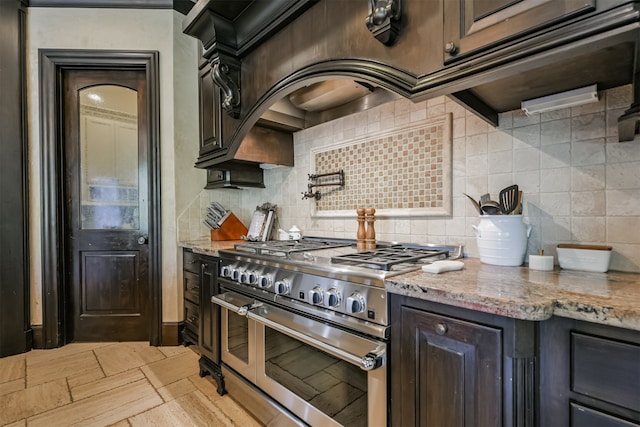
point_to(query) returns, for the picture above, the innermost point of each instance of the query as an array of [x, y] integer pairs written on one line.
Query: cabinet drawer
[[192, 287], [605, 369], [191, 316], [583, 416], [190, 262]]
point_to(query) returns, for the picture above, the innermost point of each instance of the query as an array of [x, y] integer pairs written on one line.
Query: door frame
[[51, 64]]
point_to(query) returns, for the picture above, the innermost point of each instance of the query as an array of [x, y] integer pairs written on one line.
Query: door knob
[[142, 240]]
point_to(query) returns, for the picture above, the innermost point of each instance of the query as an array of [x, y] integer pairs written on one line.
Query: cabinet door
[[589, 374], [210, 139], [471, 25], [209, 336], [450, 372]]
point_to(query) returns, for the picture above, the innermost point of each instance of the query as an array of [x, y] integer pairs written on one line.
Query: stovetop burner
[[284, 248], [386, 258]]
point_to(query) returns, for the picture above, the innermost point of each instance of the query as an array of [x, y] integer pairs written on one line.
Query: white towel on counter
[[442, 266]]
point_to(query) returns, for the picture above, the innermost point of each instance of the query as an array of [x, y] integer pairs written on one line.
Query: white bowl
[[584, 258]]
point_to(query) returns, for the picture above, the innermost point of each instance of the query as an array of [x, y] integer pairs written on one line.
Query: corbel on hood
[[229, 30]]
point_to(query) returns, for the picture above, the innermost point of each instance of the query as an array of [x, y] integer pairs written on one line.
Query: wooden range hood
[[267, 51]]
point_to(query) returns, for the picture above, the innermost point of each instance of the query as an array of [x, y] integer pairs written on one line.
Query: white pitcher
[[502, 239]]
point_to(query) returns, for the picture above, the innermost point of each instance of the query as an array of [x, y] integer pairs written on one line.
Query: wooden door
[[106, 205]]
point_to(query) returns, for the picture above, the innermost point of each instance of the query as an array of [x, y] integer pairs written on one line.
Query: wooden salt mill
[[370, 239], [361, 234]]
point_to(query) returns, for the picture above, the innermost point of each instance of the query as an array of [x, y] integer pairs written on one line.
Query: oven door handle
[[373, 359], [236, 303]]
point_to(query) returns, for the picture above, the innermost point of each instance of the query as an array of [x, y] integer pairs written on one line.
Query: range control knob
[[282, 287], [265, 281], [332, 298], [225, 271], [315, 295], [355, 303], [248, 277], [235, 274]]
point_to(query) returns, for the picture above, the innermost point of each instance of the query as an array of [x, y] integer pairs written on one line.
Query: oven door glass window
[[238, 336], [335, 387]]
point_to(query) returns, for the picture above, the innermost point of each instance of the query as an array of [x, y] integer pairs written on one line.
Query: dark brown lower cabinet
[[201, 316], [209, 332], [457, 367], [191, 291], [589, 374]]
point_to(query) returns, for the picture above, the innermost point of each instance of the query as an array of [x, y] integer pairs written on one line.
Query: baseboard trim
[[171, 333], [37, 334]]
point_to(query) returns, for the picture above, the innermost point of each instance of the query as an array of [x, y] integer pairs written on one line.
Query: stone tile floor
[[112, 384]]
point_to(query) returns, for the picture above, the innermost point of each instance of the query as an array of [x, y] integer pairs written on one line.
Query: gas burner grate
[[283, 248], [386, 258]]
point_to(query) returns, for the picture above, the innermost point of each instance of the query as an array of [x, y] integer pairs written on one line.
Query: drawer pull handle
[[441, 329], [193, 261]]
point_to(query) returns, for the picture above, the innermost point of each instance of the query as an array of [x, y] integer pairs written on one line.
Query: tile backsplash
[[400, 172], [580, 184]]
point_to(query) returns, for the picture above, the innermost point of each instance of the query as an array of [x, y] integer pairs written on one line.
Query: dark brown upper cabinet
[[220, 173], [498, 53], [223, 171], [474, 25], [210, 129]]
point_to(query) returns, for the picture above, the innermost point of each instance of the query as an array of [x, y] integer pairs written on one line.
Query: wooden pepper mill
[[361, 234], [370, 239]]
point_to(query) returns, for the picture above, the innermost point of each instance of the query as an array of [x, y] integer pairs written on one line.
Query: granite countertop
[[611, 298]]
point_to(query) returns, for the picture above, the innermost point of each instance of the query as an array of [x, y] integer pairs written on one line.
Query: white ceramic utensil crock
[[502, 239]]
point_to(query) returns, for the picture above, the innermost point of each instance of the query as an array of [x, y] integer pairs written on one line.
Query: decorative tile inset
[[404, 173]]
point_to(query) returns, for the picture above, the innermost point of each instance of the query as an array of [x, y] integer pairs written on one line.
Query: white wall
[[130, 29], [580, 185]]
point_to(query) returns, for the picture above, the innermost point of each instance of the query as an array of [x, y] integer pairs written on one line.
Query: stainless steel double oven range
[[304, 326]]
